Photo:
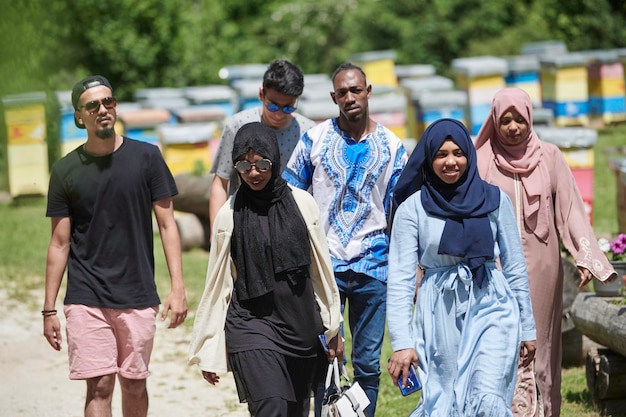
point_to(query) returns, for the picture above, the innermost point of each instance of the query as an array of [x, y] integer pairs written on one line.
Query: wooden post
[[612, 376], [601, 320], [193, 197], [191, 231], [606, 381]]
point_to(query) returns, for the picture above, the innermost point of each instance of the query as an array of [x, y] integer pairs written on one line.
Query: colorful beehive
[[523, 72], [434, 105], [316, 87], [389, 109], [27, 150], [141, 124], [621, 56], [425, 108], [248, 92], [233, 73], [543, 116], [480, 77], [544, 48], [200, 113], [315, 101], [215, 95], [576, 143], [379, 67], [161, 98], [607, 101], [415, 71], [430, 83], [71, 136], [188, 148], [564, 88], [318, 110], [246, 80]]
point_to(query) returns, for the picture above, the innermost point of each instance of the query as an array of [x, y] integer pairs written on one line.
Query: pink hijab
[[523, 159]]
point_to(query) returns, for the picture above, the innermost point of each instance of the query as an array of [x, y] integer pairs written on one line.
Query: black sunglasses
[[92, 107], [243, 167]]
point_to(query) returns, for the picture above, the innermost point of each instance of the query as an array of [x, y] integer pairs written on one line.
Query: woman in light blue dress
[[472, 317]]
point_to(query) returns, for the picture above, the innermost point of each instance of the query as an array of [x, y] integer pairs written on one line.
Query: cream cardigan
[[208, 340]]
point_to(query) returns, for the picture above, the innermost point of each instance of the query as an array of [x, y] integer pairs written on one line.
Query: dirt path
[[34, 377]]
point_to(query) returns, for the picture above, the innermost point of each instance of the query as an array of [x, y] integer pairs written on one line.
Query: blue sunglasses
[[275, 107]]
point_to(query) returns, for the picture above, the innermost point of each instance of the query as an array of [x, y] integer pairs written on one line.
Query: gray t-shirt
[[287, 140]]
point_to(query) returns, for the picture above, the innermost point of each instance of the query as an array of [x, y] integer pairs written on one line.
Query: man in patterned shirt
[[350, 164]]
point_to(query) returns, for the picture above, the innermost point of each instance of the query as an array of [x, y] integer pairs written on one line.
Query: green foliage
[[172, 43], [25, 51], [311, 33], [128, 41], [586, 24]]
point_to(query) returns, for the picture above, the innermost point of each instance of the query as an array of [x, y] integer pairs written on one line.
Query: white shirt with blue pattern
[[352, 182]]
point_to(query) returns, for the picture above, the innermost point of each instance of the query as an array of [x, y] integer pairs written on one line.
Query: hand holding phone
[[322, 338], [412, 382]]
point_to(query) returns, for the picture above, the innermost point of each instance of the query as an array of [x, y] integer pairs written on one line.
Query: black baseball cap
[[84, 85]]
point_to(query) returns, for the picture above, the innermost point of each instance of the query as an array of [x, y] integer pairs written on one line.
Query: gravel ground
[[35, 379]]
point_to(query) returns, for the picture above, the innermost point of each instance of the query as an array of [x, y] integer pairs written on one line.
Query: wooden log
[[574, 343], [576, 347], [193, 194], [193, 197], [606, 380], [601, 321], [191, 231], [611, 377], [613, 408], [571, 277], [592, 366]]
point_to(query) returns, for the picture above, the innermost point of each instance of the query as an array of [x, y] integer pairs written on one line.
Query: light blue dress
[[467, 338]]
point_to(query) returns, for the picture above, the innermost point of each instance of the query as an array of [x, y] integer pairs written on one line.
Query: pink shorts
[[104, 341]]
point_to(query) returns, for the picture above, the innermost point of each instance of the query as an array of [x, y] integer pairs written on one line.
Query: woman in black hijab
[[270, 271]]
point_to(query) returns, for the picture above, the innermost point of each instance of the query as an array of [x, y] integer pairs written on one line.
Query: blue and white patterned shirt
[[352, 183]]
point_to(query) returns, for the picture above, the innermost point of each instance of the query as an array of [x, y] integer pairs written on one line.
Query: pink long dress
[[549, 210]]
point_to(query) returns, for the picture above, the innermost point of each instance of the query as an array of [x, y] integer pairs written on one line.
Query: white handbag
[[347, 400]]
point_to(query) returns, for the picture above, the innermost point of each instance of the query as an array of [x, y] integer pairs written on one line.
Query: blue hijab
[[464, 205]]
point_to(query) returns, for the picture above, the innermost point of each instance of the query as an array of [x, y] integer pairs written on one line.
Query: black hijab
[[261, 253], [464, 205]]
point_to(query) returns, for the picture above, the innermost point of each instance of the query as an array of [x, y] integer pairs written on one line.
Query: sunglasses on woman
[[93, 106], [243, 167]]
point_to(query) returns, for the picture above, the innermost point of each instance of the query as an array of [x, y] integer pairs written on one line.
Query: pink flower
[[616, 248]]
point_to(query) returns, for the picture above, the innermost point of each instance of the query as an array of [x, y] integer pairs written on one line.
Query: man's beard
[[106, 133]]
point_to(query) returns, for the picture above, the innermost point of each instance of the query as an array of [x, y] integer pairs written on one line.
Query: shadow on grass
[[579, 397]]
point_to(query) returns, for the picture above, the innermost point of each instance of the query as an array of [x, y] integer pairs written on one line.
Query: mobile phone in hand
[[322, 338], [412, 383]]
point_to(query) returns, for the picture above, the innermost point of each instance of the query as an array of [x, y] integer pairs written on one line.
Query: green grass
[[194, 270], [604, 192], [25, 235], [576, 396]]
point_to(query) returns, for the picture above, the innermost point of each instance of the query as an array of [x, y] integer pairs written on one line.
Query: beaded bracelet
[[48, 312]]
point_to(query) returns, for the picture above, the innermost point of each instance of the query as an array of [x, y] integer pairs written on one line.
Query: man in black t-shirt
[[100, 200]]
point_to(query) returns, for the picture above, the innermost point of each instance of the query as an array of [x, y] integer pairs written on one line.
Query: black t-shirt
[[109, 199]]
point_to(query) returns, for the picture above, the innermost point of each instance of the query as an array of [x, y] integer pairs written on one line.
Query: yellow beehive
[[27, 151]]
